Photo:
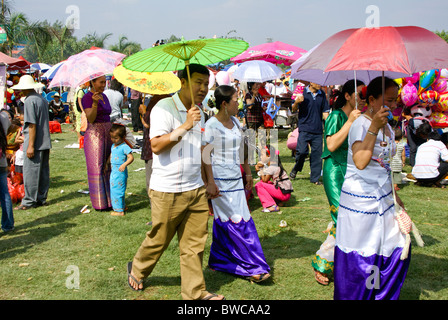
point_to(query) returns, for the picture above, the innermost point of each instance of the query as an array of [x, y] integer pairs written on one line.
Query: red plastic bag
[[268, 122]]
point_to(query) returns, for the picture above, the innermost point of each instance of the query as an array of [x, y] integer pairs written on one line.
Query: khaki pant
[[186, 214]]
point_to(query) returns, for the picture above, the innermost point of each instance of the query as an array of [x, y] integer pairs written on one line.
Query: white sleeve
[[162, 122]]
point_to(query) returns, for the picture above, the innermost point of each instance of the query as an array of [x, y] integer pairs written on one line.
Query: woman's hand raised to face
[[380, 118], [97, 96]]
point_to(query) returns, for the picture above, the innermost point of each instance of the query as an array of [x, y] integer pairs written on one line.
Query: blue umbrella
[[50, 73], [40, 66]]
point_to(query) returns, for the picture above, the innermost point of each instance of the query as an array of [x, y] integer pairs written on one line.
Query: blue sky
[[297, 22]]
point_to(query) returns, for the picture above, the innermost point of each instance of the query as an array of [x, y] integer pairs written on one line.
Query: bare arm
[[129, 160], [335, 141], [363, 150], [31, 140]]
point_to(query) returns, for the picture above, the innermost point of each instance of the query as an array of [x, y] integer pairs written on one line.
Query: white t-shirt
[[178, 169], [115, 100], [427, 159]]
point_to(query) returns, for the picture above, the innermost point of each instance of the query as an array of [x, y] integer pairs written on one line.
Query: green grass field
[[38, 259]]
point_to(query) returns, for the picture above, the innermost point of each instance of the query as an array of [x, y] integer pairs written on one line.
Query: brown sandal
[[321, 278]]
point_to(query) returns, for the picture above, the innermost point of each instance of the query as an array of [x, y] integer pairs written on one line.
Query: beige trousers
[[186, 214]]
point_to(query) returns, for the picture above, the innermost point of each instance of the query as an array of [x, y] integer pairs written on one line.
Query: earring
[[225, 110]]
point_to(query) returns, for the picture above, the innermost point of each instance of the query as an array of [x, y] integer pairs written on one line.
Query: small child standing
[[275, 188], [120, 158], [399, 160]]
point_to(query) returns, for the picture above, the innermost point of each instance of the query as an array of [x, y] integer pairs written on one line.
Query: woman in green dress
[[337, 127]]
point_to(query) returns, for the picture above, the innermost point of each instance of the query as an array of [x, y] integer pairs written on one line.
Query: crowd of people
[[197, 164]]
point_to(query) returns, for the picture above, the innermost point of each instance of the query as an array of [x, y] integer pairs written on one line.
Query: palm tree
[[96, 40], [16, 26], [62, 33], [40, 36], [125, 46]]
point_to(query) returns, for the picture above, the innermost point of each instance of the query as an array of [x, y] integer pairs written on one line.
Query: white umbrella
[[50, 73], [257, 71], [40, 66]]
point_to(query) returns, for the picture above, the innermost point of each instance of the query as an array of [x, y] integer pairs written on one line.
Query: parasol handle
[[383, 83], [187, 65]]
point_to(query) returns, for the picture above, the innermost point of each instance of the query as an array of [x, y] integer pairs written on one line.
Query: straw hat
[[26, 82]]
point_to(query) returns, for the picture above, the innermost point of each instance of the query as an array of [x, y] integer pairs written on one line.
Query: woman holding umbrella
[[369, 242], [97, 143], [337, 127], [254, 115]]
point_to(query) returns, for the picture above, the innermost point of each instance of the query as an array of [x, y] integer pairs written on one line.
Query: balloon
[[399, 81], [414, 79], [211, 79], [438, 120], [440, 85], [430, 97], [444, 73], [409, 94], [443, 102], [222, 78], [427, 78]]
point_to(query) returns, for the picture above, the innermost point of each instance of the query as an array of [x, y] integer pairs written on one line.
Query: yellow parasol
[[147, 82]]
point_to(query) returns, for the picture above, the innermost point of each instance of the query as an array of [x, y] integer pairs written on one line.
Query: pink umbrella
[[275, 52], [405, 50], [85, 66]]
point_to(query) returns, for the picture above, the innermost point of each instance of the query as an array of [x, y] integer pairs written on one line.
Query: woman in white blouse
[[369, 242]]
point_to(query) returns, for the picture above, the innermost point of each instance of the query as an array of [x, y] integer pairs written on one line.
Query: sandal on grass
[[210, 296], [258, 278], [321, 278], [133, 278], [117, 213], [276, 209], [23, 207]]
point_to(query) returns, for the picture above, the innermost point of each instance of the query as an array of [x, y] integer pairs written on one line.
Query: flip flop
[[212, 295], [23, 207], [276, 209], [133, 278]]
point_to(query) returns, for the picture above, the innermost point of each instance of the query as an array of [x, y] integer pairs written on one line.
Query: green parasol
[[178, 55]]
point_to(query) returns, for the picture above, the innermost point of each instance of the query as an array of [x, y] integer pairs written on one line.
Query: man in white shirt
[[178, 196], [115, 99], [431, 160]]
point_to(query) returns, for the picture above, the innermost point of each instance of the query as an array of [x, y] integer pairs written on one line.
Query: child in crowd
[[399, 160], [275, 184], [120, 158]]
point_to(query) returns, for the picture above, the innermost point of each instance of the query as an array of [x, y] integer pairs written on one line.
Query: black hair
[[115, 85], [194, 67], [119, 128], [423, 130], [223, 93], [349, 87], [375, 87], [445, 137], [434, 135]]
